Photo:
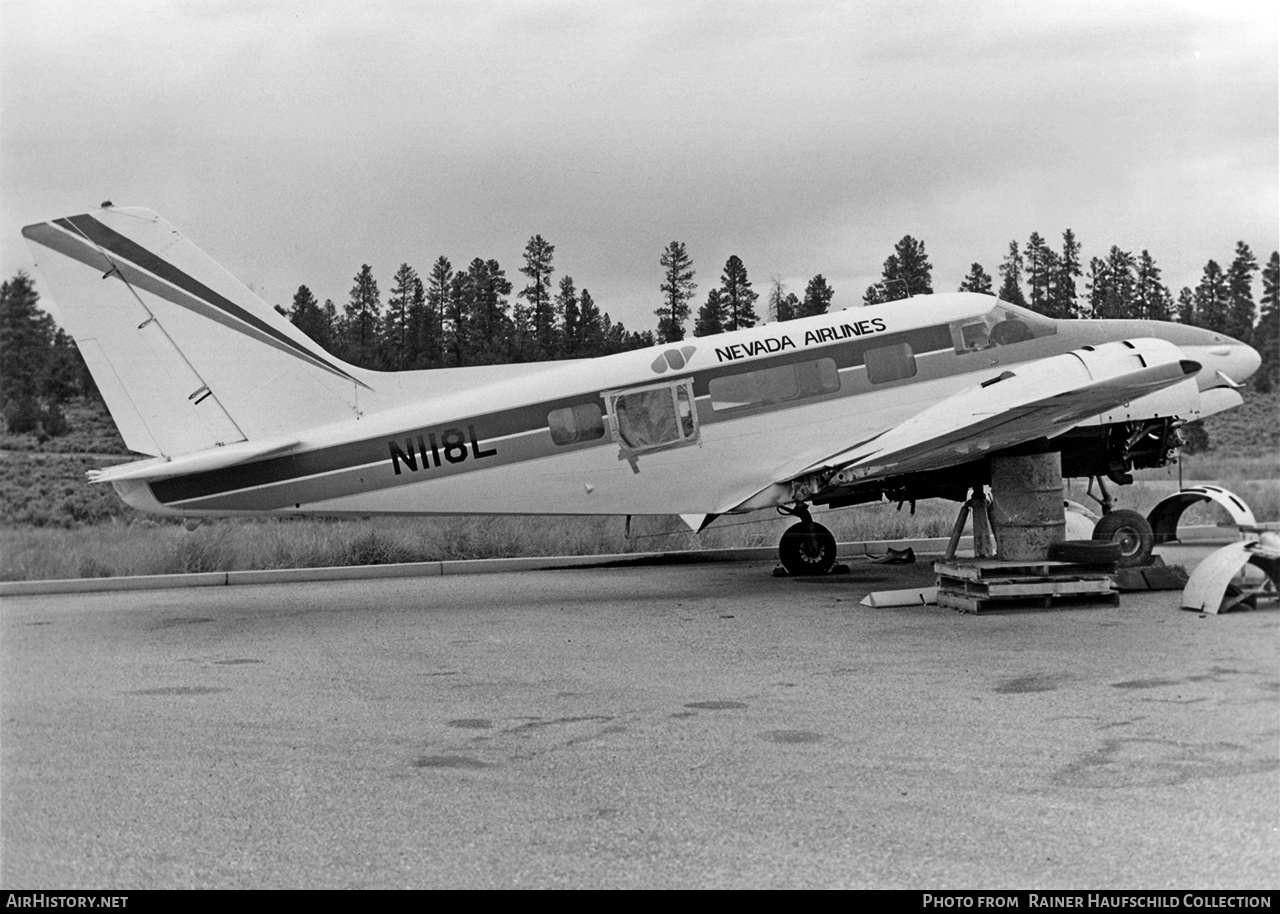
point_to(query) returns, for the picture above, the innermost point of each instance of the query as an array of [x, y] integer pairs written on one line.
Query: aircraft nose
[[1228, 362], [1252, 359]]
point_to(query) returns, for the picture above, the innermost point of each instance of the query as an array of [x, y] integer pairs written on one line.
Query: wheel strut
[[1106, 501], [800, 511]]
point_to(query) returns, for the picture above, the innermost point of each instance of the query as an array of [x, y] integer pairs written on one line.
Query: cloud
[[297, 141]]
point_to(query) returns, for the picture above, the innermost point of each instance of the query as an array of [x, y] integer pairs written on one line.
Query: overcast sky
[[295, 141]]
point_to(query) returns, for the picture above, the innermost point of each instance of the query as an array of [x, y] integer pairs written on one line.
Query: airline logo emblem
[[675, 359]]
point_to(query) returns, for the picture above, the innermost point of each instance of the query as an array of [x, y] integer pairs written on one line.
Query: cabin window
[[767, 386], [572, 424], [653, 418], [890, 363]]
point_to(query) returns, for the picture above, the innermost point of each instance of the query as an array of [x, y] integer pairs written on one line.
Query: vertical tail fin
[[186, 356]]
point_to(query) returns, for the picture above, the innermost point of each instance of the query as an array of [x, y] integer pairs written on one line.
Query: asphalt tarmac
[[706, 726]]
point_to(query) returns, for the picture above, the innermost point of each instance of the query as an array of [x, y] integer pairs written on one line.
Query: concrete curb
[[437, 569], [928, 546]]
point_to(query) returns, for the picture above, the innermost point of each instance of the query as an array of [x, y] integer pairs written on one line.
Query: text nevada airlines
[[811, 338]]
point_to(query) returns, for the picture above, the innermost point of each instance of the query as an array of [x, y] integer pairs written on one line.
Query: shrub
[[373, 548]]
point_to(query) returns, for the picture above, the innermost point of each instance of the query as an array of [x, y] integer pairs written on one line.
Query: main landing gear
[[807, 548]]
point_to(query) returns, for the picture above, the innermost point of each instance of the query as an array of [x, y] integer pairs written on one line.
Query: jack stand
[[984, 541]]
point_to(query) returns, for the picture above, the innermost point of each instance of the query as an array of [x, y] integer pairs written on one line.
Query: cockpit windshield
[[1003, 325]]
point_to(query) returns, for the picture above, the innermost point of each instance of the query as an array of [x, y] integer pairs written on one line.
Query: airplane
[[242, 414]]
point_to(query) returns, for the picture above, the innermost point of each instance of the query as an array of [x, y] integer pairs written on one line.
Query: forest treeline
[[459, 317]]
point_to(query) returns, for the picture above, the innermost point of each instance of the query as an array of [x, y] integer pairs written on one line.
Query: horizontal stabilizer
[[217, 458]]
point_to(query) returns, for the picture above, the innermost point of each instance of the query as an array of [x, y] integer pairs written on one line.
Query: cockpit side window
[[1003, 325]]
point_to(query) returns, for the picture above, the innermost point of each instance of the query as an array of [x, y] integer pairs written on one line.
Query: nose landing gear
[[806, 548], [1118, 525], [1132, 531]]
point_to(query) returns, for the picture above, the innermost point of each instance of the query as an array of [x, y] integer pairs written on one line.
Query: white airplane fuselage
[[490, 449]]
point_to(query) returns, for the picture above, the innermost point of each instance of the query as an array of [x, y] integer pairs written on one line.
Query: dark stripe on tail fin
[[127, 249]]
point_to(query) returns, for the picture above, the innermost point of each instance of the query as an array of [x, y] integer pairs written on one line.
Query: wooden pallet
[[973, 604], [982, 569], [981, 585]]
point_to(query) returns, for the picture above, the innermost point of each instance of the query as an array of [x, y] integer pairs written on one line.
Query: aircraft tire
[[1085, 552], [1132, 531], [807, 549]]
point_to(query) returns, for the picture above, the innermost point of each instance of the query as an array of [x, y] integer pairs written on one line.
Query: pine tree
[[1096, 285], [590, 327], [26, 337], [537, 266], [491, 339], [677, 291], [1211, 298], [1062, 299], [64, 376], [1037, 259], [641, 339], [817, 297], [1011, 277], [739, 299], [608, 335], [1186, 311], [422, 325], [1051, 259], [306, 315], [26, 333], [1152, 301], [906, 272], [439, 286], [914, 266], [782, 304], [1266, 335], [524, 345], [399, 344], [978, 280], [711, 316], [789, 307], [570, 312], [362, 320], [1117, 298], [458, 318], [1240, 308]]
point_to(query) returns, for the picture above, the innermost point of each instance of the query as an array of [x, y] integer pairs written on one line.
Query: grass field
[[53, 524]]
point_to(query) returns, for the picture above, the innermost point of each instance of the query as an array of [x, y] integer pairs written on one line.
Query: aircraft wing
[[1040, 399]]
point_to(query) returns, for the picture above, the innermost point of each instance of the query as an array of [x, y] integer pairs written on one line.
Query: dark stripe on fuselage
[[488, 426], [369, 452], [127, 249]]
